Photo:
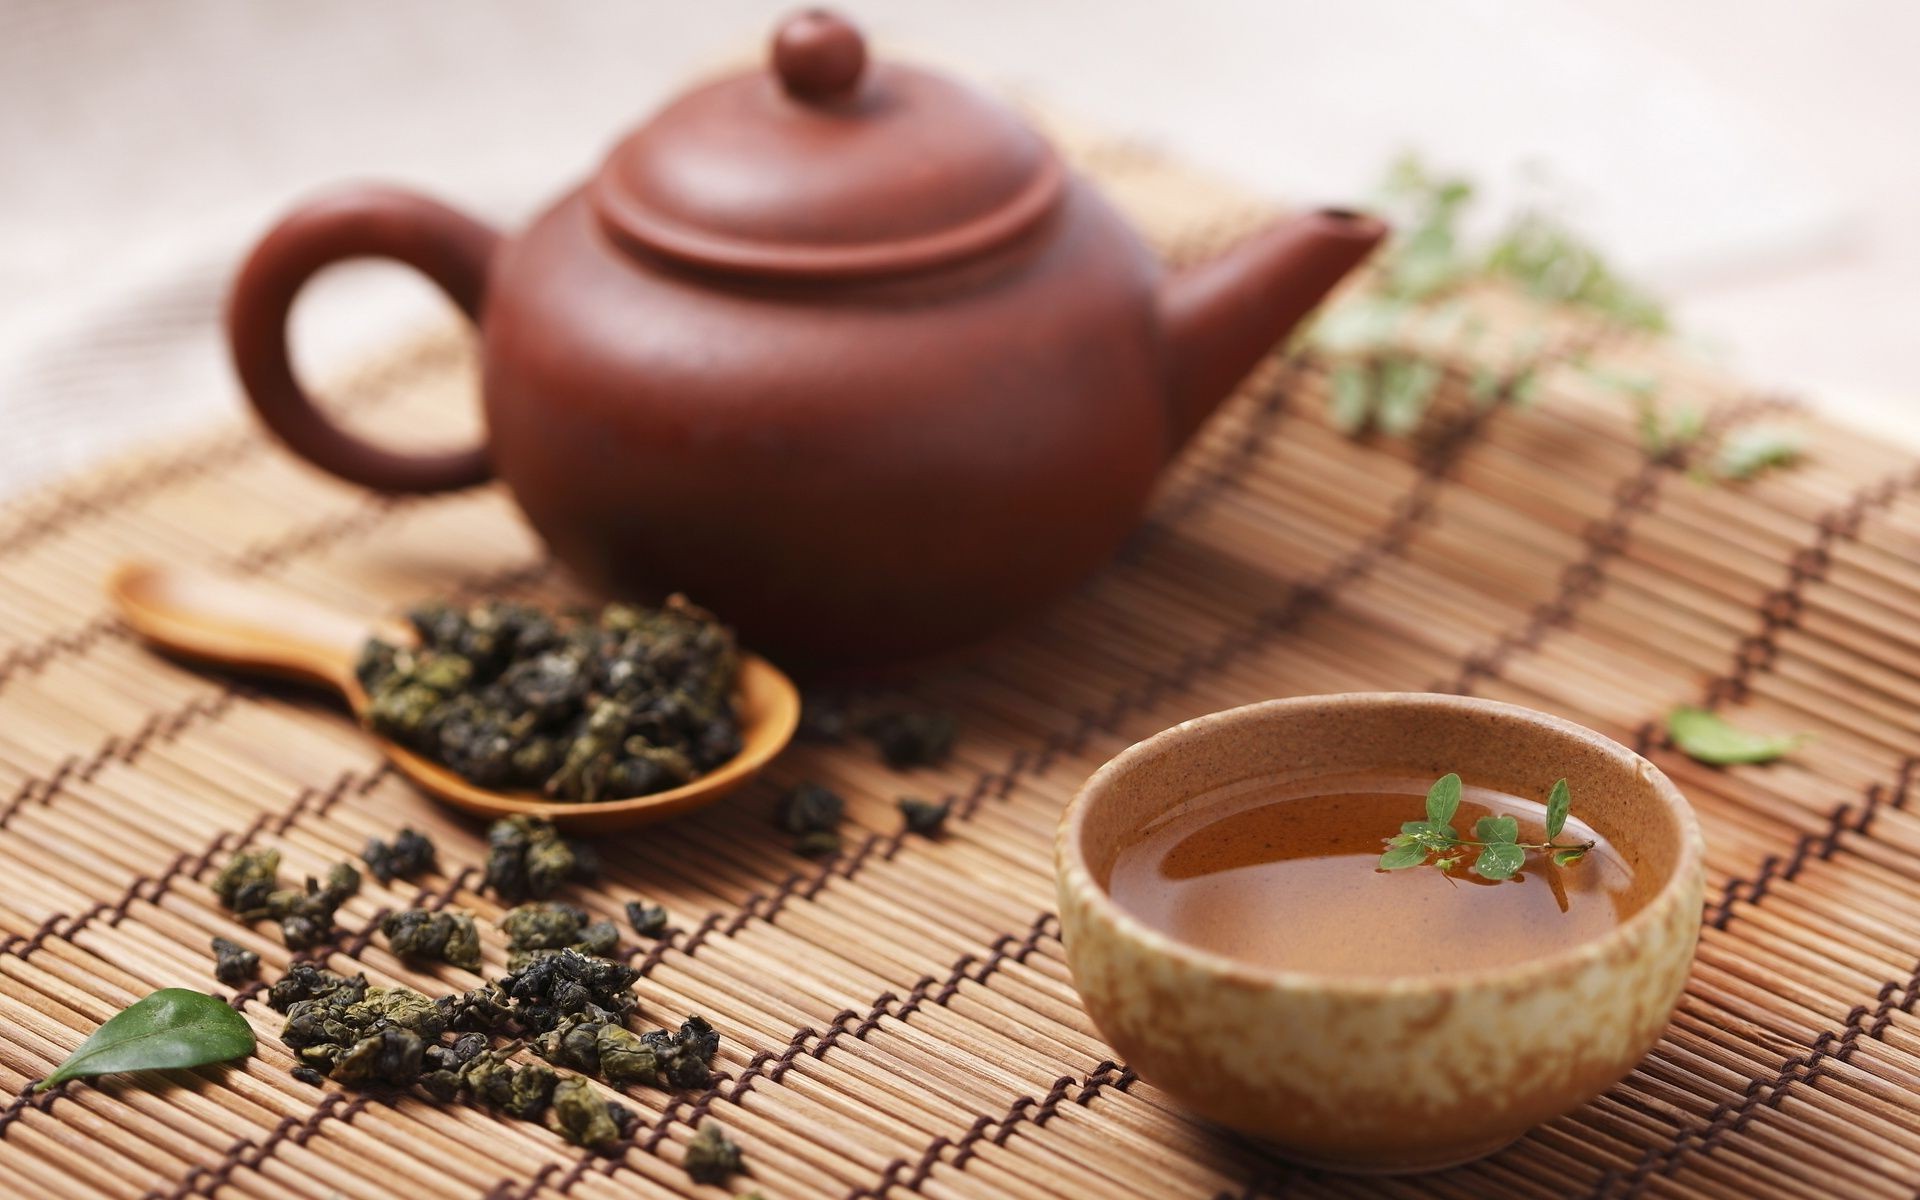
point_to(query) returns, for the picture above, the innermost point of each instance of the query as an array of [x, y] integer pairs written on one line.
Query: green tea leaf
[[1351, 400], [1566, 858], [1706, 737], [1498, 830], [173, 1027], [1400, 857], [1443, 799], [1499, 862], [1747, 452], [1406, 390], [1559, 804]]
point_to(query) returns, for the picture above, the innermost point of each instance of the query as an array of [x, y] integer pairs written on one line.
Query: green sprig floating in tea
[[1498, 851]]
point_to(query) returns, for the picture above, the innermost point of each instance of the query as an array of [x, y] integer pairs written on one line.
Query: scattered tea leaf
[[648, 920], [173, 1027], [924, 817], [1559, 804], [234, 964], [1747, 452], [711, 1155], [1705, 736]]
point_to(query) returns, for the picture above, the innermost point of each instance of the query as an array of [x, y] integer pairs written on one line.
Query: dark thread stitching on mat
[[1730, 1117], [814, 1043], [1033, 1110], [1780, 609], [1604, 540], [1266, 417], [205, 1179], [158, 727], [1821, 844], [314, 801], [32, 659]]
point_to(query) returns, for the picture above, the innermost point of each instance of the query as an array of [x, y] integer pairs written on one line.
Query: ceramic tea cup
[[1382, 1074]]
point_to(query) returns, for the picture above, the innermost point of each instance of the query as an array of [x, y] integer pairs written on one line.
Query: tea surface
[[1285, 874]]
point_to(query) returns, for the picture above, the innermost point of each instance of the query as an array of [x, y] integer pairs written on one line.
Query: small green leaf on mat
[[1706, 737], [174, 1027], [1559, 804], [1748, 452]]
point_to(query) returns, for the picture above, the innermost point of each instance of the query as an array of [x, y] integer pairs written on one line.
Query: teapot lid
[[827, 166]]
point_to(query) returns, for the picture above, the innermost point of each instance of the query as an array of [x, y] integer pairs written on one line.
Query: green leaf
[[1406, 390], [1749, 451], [1351, 400], [173, 1027], [1706, 737], [1400, 857], [1499, 862], [1443, 799], [1566, 858], [1501, 831], [1559, 804]]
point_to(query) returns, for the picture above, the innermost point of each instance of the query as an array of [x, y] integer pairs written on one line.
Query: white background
[[1757, 159]]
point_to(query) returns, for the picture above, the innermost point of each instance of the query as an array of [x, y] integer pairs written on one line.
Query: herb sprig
[[1501, 853]]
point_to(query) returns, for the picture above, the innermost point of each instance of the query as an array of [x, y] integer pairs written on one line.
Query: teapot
[[839, 348]]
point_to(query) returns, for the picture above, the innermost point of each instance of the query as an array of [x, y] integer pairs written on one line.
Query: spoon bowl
[[232, 623]]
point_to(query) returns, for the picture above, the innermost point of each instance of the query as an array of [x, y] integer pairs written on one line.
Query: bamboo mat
[[898, 1020]]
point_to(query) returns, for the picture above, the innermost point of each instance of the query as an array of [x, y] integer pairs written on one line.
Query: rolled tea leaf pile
[[626, 702]]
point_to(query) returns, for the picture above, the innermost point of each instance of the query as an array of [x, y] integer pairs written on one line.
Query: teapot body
[[855, 473]]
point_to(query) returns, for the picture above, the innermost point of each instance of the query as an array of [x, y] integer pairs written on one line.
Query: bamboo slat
[[898, 1020]]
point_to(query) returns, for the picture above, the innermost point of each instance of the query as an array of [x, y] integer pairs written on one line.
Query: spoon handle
[[233, 623]]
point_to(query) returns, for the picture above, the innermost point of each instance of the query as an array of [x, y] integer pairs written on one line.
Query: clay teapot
[[839, 348]]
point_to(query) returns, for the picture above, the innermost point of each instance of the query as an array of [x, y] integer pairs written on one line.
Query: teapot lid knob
[[819, 55]]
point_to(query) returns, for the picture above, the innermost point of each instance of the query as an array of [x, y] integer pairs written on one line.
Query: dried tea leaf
[[924, 817], [1705, 736], [234, 964], [411, 853], [712, 1156], [173, 1027], [648, 920], [418, 933]]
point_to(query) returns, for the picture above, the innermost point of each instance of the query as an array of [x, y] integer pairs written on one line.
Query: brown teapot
[[839, 348]]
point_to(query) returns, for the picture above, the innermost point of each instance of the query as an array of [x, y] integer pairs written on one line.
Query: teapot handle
[[448, 247]]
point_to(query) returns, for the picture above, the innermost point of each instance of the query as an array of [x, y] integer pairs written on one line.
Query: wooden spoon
[[222, 620]]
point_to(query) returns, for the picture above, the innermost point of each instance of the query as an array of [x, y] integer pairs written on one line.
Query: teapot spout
[[1222, 316]]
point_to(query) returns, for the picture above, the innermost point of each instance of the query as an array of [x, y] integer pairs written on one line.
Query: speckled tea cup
[[1370, 1074]]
